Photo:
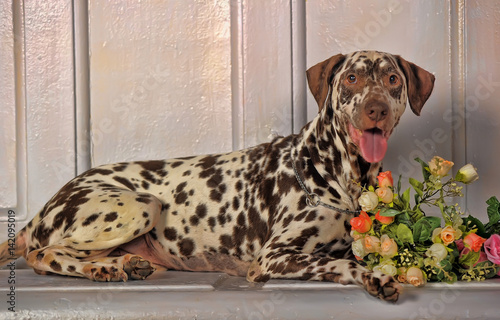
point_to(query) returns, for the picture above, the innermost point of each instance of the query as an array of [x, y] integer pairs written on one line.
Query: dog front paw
[[382, 286]]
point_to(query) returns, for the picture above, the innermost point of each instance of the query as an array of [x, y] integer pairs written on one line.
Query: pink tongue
[[373, 145]]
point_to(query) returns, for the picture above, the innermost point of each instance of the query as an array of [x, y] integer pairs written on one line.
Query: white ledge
[[190, 295]]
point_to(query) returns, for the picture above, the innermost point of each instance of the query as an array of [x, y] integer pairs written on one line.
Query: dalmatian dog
[[277, 210]]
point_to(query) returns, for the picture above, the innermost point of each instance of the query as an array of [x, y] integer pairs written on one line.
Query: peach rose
[[415, 276], [388, 247], [385, 179], [372, 244], [402, 274], [439, 167], [384, 220], [474, 242], [448, 235], [385, 194], [362, 223]]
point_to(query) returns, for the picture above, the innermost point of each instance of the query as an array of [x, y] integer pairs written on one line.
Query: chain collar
[[313, 200]]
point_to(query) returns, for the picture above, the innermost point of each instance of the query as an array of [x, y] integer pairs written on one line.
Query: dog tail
[[13, 248]]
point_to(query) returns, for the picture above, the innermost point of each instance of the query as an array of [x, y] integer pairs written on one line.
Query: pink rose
[[492, 248]]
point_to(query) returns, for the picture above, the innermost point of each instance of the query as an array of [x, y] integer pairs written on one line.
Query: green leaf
[[473, 223], [388, 212], [493, 210], [404, 234], [469, 259], [404, 217], [417, 186], [405, 198], [422, 229], [425, 168], [398, 185], [489, 268]]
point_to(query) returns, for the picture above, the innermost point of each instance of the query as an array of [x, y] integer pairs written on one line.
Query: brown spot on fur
[[110, 217], [186, 246], [170, 233], [125, 182], [90, 219], [54, 265]]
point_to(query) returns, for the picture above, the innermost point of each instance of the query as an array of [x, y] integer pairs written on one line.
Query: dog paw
[[382, 286], [137, 268], [105, 274]]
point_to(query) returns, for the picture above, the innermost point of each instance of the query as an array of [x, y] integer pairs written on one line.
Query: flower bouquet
[[396, 237]]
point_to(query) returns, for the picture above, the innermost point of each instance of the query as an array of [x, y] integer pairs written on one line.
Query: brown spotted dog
[[277, 210]]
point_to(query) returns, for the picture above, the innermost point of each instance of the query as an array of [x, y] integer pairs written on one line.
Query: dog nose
[[377, 111]]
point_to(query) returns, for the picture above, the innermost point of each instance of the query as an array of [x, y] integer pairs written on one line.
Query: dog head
[[366, 91]]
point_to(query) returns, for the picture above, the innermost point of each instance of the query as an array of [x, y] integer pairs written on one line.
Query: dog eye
[[393, 79], [351, 78]]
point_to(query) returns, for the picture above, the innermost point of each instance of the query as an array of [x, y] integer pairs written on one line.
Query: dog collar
[[313, 200]]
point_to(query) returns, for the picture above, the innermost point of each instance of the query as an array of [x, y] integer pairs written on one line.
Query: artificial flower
[[362, 223], [492, 248], [385, 179], [387, 266], [449, 234], [358, 249], [439, 167], [474, 242], [368, 201], [402, 274], [385, 194], [356, 235], [467, 174], [371, 244], [388, 247], [437, 251], [415, 276], [465, 250], [384, 220]]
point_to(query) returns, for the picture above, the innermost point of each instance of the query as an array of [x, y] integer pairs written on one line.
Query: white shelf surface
[[196, 295]]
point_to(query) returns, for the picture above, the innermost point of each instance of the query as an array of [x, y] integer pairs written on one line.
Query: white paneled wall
[[479, 114], [36, 104], [160, 77], [172, 78]]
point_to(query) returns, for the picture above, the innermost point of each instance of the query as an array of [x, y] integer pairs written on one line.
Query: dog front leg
[[289, 264]]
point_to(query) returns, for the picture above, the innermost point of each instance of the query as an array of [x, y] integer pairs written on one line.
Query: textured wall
[[160, 79], [177, 77]]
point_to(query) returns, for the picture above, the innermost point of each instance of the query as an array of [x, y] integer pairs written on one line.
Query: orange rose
[[385, 179], [385, 194], [382, 219], [361, 224], [474, 242]]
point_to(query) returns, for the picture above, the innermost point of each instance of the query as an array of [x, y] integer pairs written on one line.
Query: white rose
[[387, 267], [368, 201], [467, 174], [358, 249], [437, 251]]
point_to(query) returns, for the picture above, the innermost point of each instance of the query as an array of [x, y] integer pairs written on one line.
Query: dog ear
[[319, 77], [420, 84]]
